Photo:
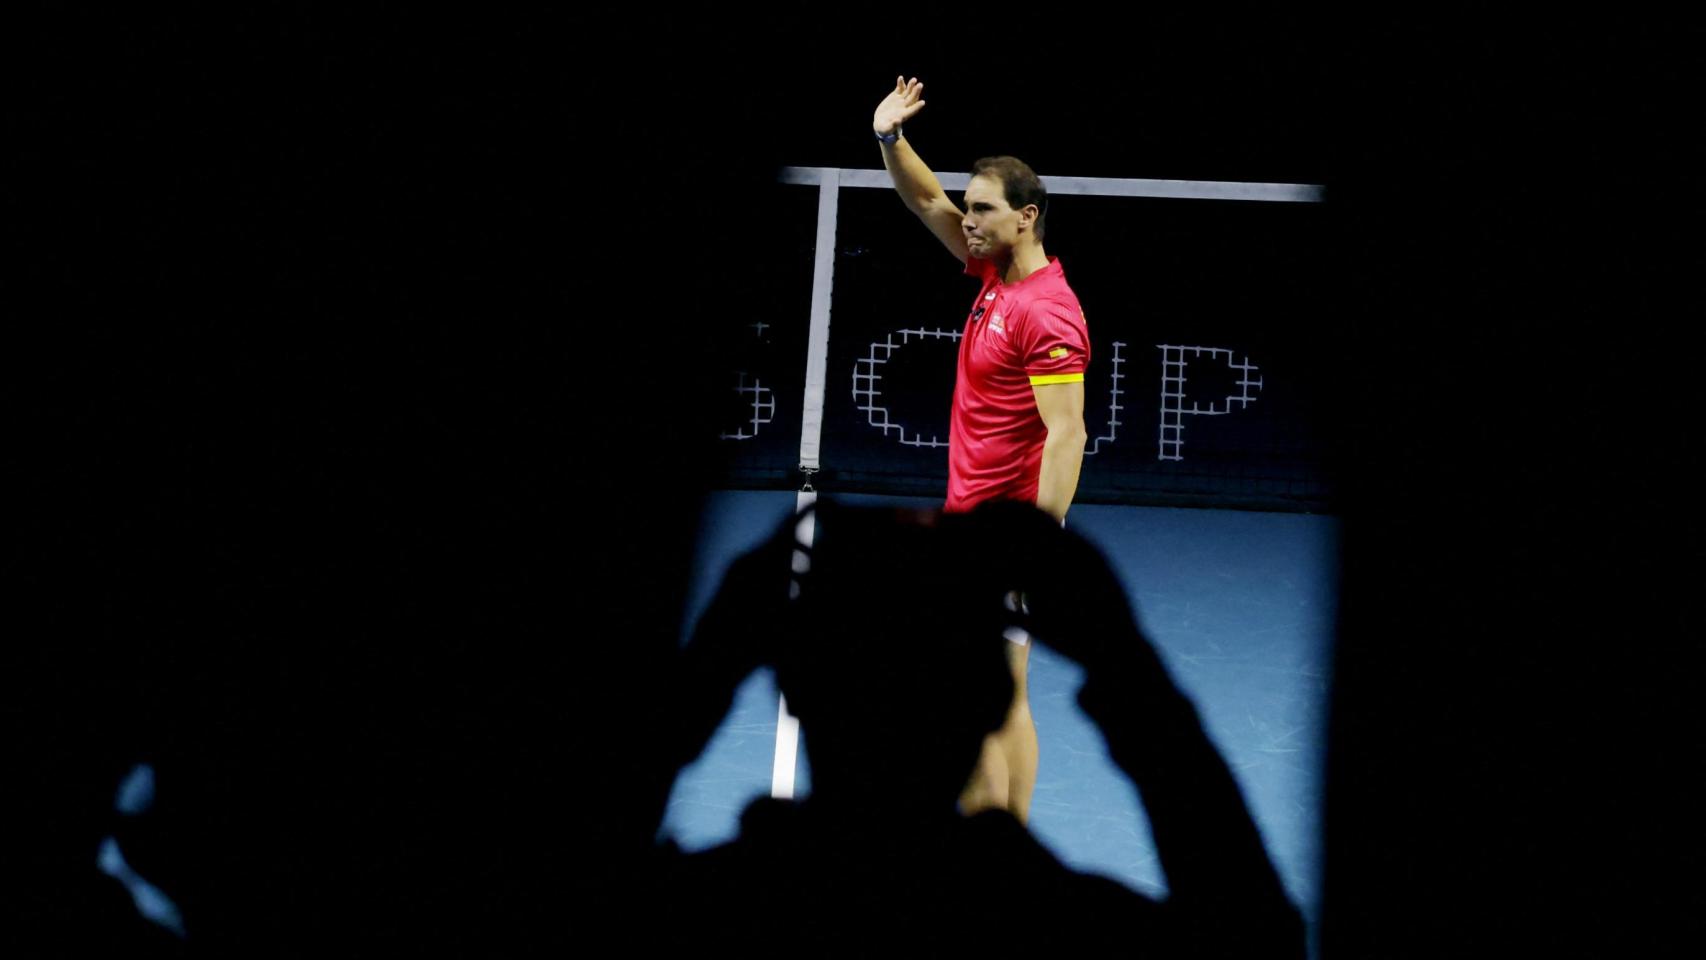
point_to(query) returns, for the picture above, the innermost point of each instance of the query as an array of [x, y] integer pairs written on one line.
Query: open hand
[[901, 105]]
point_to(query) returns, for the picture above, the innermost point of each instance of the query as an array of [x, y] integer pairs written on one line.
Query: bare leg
[[1006, 772], [990, 782]]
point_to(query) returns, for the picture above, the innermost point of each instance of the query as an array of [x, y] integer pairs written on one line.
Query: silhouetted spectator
[[893, 659]]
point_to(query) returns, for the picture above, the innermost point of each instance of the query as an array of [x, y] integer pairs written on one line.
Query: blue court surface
[[1241, 607]]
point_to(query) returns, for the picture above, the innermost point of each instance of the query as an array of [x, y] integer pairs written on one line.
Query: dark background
[[1247, 277], [361, 377]]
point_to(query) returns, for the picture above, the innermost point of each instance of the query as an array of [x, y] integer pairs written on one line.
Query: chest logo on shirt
[[996, 326]]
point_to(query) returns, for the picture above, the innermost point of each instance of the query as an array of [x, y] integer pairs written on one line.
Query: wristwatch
[[889, 138]]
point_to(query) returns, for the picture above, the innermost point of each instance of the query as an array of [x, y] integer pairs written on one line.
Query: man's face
[[991, 226]]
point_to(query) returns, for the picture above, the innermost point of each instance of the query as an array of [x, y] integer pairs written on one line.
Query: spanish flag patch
[[1057, 353]]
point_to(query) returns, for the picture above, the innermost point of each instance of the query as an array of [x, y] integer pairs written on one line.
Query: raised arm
[[917, 186]]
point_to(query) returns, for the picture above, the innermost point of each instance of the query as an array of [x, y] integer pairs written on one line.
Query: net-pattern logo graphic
[[1173, 409], [867, 384], [763, 407], [1114, 406]]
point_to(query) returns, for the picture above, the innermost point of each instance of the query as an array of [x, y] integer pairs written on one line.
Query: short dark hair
[[1019, 184]]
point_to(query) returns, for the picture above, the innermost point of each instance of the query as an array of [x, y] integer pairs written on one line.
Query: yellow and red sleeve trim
[[1057, 378]]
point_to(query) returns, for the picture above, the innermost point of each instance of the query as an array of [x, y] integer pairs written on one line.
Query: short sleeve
[[1055, 343]]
